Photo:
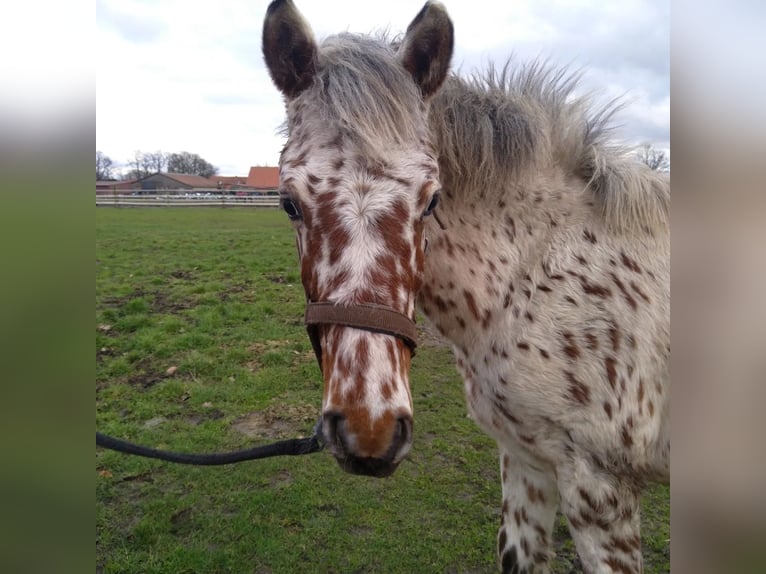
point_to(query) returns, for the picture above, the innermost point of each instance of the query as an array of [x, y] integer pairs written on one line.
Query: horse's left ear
[[289, 48], [426, 50]]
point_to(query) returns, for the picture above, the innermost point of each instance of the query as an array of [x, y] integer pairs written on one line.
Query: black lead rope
[[291, 447]]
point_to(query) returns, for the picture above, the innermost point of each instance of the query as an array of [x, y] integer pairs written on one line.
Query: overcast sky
[[174, 75]]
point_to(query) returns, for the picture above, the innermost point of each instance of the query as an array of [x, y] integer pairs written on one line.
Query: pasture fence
[[184, 198]]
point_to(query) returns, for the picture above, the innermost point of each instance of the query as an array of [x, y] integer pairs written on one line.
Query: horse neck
[[518, 214], [488, 241]]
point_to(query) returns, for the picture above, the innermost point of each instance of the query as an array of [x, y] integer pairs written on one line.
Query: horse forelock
[[362, 90]]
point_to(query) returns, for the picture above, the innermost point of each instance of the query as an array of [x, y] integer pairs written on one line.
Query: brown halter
[[368, 316]]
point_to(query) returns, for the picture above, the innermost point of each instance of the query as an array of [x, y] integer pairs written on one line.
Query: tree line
[[147, 163]]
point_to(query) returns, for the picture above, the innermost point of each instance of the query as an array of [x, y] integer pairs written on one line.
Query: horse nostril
[[404, 430], [402, 439], [332, 428]]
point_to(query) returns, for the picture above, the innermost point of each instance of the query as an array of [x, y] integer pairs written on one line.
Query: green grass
[[199, 338]]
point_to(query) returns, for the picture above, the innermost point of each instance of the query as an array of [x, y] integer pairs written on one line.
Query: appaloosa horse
[[536, 246]]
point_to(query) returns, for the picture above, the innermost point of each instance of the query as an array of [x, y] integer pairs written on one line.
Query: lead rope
[[291, 447]]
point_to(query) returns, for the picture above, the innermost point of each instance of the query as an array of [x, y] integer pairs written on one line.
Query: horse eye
[[432, 205], [290, 208]]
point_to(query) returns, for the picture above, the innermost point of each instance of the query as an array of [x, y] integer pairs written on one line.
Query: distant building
[[230, 182], [263, 178], [106, 187], [161, 181]]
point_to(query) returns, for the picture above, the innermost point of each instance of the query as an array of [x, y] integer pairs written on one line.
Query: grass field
[[200, 346]]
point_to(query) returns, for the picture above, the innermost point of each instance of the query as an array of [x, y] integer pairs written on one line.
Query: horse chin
[[377, 467]]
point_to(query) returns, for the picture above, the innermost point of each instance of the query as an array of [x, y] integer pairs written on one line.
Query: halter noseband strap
[[368, 316]]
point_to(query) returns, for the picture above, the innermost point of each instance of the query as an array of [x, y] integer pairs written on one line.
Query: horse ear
[[426, 50], [289, 48]]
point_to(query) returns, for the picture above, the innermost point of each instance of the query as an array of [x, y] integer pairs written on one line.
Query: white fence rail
[[184, 198]]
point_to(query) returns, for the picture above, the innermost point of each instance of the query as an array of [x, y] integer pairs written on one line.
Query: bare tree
[[156, 161], [103, 166], [656, 159], [146, 164], [143, 164], [138, 165], [190, 163]]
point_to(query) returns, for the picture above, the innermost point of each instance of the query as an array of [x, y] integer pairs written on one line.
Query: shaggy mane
[[508, 124]]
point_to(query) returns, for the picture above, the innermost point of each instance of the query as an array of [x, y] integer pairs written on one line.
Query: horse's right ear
[[426, 50], [288, 48]]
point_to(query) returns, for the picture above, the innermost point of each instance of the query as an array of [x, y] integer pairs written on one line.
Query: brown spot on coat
[[614, 335], [639, 292], [486, 319], [625, 293], [530, 440], [592, 341], [505, 412], [594, 289], [570, 348], [618, 565], [471, 302], [510, 228], [629, 263], [525, 546], [611, 371], [578, 391], [627, 439]]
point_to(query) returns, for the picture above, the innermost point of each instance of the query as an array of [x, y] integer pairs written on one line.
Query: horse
[[500, 206]]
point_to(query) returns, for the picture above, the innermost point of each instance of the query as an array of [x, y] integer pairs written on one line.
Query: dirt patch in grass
[[181, 522], [145, 476], [146, 374], [278, 421], [207, 415], [180, 274], [145, 380], [281, 479], [163, 304], [244, 290], [278, 279], [105, 352], [115, 302]]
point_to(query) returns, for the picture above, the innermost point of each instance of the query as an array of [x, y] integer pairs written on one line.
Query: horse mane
[[509, 124]]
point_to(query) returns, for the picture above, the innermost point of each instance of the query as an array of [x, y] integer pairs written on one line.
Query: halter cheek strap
[[367, 316]]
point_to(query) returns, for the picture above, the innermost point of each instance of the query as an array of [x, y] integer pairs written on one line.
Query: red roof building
[[263, 178], [230, 181]]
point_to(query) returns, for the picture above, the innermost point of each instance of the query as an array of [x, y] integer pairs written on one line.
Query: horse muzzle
[[371, 454]]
